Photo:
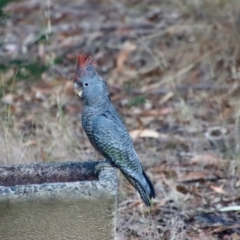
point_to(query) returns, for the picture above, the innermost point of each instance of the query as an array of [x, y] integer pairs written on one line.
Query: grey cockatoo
[[104, 127]]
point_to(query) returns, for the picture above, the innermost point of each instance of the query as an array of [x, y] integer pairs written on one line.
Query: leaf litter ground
[[173, 70]]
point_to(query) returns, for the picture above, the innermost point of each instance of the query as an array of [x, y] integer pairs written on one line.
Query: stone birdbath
[[58, 201]]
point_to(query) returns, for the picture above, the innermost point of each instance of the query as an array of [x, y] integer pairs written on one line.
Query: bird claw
[[101, 166]]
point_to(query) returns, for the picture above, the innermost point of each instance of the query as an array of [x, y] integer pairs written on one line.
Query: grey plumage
[[105, 129]]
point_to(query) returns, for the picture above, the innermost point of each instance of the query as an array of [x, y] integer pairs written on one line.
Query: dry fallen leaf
[[224, 228], [43, 155], [193, 176], [207, 159], [230, 208], [8, 99], [145, 133], [235, 236], [166, 97], [157, 112], [206, 236], [237, 183], [218, 189], [68, 88], [128, 47], [41, 93], [182, 189], [32, 142]]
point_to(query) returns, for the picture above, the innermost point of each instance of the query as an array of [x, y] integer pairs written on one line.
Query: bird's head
[[88, 85]]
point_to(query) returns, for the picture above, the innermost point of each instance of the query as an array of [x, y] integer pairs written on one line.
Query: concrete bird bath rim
[[49, 201]]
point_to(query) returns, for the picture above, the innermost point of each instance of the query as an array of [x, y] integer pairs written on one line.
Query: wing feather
[[114, 142]]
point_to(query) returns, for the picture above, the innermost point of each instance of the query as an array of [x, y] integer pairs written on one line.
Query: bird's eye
[[86, 84]]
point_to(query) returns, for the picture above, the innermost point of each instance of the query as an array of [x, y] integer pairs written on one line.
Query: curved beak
[[77, 89]]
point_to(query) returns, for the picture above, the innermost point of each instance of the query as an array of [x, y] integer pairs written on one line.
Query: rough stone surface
[[52, 201]]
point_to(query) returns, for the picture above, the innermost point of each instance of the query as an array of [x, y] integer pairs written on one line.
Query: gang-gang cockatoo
[[105, 129]]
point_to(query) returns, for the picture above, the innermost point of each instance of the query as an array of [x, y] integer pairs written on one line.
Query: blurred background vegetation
[[173, 71]]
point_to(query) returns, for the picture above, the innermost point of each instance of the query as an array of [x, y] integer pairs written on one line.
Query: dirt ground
[[173, 71]]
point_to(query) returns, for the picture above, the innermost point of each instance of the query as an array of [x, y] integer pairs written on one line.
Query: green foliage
[[3, 3], [128, 86], [27, 71], [43, 37], [3, 67], [31, 71], [137, 101], [58, 60]]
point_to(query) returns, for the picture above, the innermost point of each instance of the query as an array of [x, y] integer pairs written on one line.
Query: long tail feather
[[145, 197], [152, 193]]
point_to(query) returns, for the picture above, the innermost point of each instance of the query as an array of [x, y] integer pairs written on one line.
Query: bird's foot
[[102, 165]]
